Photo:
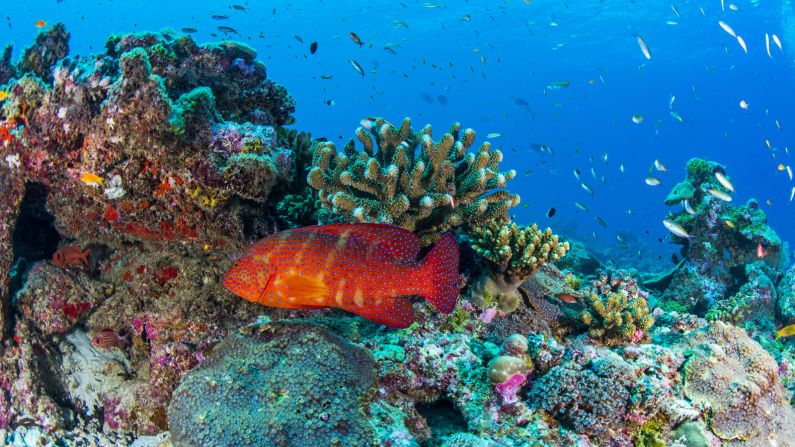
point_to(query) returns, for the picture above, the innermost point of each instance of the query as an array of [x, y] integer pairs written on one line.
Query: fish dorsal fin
[[397, 242], [302, 291]]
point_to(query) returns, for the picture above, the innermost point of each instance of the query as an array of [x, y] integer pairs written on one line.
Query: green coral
[[299, 210], [648, 435], [404, 178], [681, 191], [517, 251], [616, 310], [512, 254]]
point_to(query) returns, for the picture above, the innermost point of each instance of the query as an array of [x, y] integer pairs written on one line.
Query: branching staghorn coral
[[616, 310], [512, 254], [406, 178]]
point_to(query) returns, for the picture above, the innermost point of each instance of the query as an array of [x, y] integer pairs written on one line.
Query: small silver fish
[[643, 47], [724, 181], [652, 181], [688, 209], [720, 195], [357, 66], [675, 228]]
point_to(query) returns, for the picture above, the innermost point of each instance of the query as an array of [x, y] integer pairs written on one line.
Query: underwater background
[[488, 65], [640, 293]]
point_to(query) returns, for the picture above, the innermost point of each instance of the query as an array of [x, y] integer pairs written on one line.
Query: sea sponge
[[512, 254], [616, 311], [404, 178]]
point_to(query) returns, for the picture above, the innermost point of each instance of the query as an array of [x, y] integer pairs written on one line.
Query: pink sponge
[[509, 389]]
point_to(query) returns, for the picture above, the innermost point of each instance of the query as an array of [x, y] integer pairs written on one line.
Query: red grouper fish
[[368, 269]]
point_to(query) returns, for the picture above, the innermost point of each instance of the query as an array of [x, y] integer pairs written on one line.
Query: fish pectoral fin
[[395, 312], [306, 290]]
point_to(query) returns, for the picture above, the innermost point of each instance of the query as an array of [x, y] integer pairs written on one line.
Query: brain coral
[[738, 380], [285, 384]]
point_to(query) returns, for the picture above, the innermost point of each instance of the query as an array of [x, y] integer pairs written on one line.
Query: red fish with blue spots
[[367, 269]]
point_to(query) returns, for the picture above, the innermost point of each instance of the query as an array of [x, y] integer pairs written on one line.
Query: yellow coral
[[512, 254], [616, 311], [516, 251]]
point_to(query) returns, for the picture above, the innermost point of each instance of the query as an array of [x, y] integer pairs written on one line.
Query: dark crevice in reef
[[739, 278], [34, 235], [444, 419]]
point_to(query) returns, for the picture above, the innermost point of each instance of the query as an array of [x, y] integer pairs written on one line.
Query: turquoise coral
[[405, 178]]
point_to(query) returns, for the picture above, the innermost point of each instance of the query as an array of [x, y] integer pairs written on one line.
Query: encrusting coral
[[512, 254], [616, 310], [737, 382], [404, 178]]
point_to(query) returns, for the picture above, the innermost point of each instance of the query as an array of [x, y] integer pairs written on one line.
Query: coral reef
[[131, 180], [404, 178], [512, 254], [616, 311], [723, 237], [155, 161], [278, 385], [786, 297]]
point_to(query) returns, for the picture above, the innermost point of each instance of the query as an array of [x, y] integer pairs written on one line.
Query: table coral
[[512, 254], [616, 310], [280, 384], [405, 178]]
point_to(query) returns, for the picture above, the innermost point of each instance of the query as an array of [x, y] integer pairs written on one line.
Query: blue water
[[525, 47]]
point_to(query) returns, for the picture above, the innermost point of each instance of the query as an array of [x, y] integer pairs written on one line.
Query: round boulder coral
[[290, 385]]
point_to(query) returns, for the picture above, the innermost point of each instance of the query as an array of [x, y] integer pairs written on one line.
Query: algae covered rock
[[681, 191], [286, 385]]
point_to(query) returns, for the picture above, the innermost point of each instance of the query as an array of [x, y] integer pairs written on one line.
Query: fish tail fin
[[440, 273]]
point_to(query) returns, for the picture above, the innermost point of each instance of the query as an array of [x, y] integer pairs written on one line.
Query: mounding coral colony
[[133, 180]]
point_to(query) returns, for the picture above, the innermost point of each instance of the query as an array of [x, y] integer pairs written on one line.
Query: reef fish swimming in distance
[[365, 268]]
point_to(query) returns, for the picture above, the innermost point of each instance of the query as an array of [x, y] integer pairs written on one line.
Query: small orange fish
[[566, 298], [91, 179], [71, 255], [760, 251], [356, 39], [368, 269], [108, 338], [41, 24]]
